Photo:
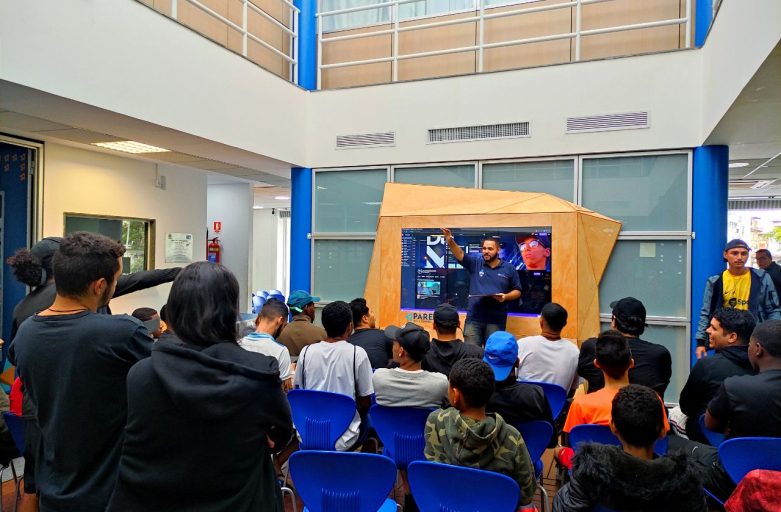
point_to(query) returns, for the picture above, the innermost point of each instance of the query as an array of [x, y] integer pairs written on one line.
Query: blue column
[[300, 228], [703, 17], [307, 44], [709, 222]]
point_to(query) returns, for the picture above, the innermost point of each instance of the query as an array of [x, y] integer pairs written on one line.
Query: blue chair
[[740, 455], [16, 427], [343, 481], [401, 431], [537, 435], [442, 487], [320, 417], [556, 395], [714, 438], [602, 434]]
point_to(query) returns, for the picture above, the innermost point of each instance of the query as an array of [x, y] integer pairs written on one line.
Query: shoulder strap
[[355, 371], [303, 373]]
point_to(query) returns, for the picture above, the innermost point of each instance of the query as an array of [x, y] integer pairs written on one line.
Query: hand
[[446, 233], [499, 297], [701, 352], [269, 442]]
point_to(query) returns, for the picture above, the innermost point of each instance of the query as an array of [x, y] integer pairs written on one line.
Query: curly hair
[[638, 415], [84, 258]]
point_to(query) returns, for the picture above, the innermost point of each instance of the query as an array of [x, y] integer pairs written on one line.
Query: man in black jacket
[[773, 269], [447, 347], [729, 333]]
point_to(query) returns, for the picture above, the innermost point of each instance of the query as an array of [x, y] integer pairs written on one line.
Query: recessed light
[[257, 207], [130, 146], [737, 165], [281, 198]]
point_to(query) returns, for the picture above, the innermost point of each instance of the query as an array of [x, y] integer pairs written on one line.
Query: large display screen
[[431, 275]]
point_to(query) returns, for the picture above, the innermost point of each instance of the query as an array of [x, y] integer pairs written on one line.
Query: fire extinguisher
[[213, 250]]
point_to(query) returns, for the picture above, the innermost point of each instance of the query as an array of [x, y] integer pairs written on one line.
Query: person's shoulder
[[588, 346], [435, 377], [656, 348], [469, 350]]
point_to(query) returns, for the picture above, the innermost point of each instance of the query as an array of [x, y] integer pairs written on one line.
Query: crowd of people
[[174, 410]]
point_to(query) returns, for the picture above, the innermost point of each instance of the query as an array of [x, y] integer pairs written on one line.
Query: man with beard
[[493, 284], [268, 326], [74, 363]]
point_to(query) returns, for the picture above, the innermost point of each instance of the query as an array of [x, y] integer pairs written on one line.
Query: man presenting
[[492, 284]]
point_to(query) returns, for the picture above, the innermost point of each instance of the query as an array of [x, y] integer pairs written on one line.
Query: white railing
[[246, 35], [480, 18]]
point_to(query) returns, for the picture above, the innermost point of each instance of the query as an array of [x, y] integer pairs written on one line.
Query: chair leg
[[289, 492], [545, 501], [17, 483]]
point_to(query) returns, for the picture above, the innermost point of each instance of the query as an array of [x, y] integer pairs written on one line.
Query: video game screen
[[431, 275]]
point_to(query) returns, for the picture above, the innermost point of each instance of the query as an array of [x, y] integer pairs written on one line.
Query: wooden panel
[[438, 38], [357, 49], [202, 22]]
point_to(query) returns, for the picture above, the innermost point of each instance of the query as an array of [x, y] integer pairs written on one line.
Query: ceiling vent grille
[[284, 214], [366, 140], [754, 204], [608, 122], [482, 132]]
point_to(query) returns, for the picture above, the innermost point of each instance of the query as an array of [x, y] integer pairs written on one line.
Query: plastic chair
[[401, 431], [442, 487], [320, 417], [537, 435], [714, 438], [16, 427], [602, 434], [740, 455], [343, 481], [556, 395]]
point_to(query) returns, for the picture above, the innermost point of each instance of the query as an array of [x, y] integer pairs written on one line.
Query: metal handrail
[[480, 17]]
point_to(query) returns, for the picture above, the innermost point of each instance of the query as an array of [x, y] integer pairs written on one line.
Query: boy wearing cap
[[447, 348], [739, 287], [466, 435], [300, 332], [515, 401], [409, 385]]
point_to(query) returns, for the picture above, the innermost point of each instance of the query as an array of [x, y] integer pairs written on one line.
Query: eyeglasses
[[532, 244]]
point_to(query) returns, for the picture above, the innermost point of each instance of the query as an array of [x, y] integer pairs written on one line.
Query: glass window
[[553, 177], [423, 8], [643, 192], [446, 176], [652, 271], [341, 267], [134, 234], [352, 19], [348, 201]]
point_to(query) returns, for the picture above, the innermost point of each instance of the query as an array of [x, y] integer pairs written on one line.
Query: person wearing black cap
[[653, 363], [739, 287], [447, 348]]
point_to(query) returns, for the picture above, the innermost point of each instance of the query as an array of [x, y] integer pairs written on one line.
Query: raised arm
[[457, 251]]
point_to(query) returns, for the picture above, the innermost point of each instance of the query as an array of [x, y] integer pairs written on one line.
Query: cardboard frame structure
[[582, 243]]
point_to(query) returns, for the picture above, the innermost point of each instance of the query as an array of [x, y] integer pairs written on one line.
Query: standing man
[[493, 283], [301, 331], [766, 263], [739, 287]]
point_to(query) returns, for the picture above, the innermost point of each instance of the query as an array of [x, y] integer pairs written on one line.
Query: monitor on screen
[[431, 275]]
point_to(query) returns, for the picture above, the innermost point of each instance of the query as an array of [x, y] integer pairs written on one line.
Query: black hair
[[273, 309], [27, 268], [359, 308], [613, 354], [555, 316], [768, 334], [475, 379], [638, 415], [493, 239], [764, 251], [83, 258], [336, 318], [738, 321], [144, 314], [164, 313], [632, 325], [203, 305]]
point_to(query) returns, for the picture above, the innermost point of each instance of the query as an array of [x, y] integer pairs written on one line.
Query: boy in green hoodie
[[465, 435]]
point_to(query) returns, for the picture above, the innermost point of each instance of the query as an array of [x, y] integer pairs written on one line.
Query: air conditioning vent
[[482, 132], [284, 214], [607, 122], [366, 140], [754, 204]]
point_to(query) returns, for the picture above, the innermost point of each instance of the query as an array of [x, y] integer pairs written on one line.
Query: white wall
[[264, 250], [232, 205], [81, 181]]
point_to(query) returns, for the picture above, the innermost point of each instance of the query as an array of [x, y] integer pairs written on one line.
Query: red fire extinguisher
[[213, 250]]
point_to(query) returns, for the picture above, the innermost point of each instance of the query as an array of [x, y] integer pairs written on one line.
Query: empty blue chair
[[442, 487], [602, 434], [740, 455], [320, 417], [714, 438], [556, 395], [537, 435], [343, 481], [401, 431]]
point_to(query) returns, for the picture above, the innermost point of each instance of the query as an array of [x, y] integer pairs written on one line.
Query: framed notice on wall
[[179, 248]]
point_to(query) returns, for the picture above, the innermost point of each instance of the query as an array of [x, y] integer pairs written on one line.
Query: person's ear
[[613, 322], [613, 428], [732, 338], [596, 363], [99, 286], [631, 363]]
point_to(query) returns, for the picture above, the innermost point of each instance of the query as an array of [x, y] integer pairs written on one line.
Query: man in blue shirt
[[493, 283]]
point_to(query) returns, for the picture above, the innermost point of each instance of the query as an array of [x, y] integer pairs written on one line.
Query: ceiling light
[[762, 183], [130, 146], [257, 207], [737, 165], [281, 198]]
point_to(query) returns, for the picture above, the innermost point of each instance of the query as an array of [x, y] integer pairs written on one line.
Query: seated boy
[[465, 435], [632, 478]]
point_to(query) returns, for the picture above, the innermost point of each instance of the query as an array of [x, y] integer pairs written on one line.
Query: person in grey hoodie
[[204, 414]]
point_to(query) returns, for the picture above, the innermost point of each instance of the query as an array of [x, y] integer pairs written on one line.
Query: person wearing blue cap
[[739, 287], [301, 332], [516, 402]]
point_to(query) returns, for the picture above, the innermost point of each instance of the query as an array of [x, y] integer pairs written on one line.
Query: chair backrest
[[602, 434], [342, 481], [15, 426], [740, 455], [714, 438], [442, 487], [320, 417], [556, 395], [536, 434], [401, 431]]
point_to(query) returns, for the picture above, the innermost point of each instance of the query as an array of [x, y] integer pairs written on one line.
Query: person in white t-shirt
[[337, 366], [548, 357], [268, 325], [409, 385]]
